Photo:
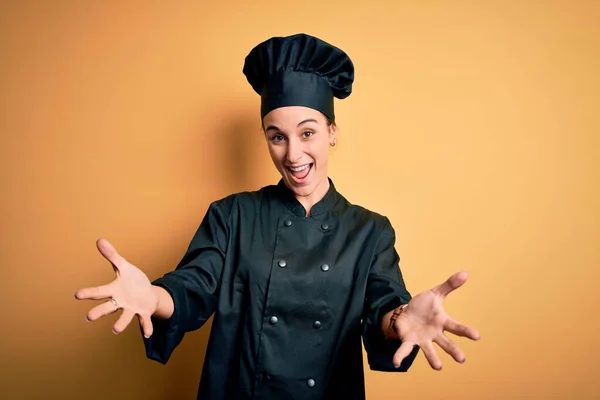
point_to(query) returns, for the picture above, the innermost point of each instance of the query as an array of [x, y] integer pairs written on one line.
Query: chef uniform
[[292, 296]]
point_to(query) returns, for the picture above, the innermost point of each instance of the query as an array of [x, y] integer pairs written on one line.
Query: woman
[[294, 274]]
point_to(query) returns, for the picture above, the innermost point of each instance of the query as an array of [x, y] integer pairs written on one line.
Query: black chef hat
[[299, 70]]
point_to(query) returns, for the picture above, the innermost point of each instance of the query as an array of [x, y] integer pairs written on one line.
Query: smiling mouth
[[301, 172]]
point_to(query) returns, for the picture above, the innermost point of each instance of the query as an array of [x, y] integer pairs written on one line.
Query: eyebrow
[[273, 127]]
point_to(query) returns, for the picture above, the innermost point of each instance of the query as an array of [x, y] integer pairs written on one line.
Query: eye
[[277, 138], [307, 134]]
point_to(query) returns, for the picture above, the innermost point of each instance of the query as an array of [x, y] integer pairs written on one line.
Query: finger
[[431, 355], [146, 324], [94, 293], [123, 321], [403, 351], [459, 329], [100, 310], [109, 252], [451, 348], [452, 283]]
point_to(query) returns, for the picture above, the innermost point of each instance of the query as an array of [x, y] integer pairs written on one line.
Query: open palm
[[424, 321], [131, 291]]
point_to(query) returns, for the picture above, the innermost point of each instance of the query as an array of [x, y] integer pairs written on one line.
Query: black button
[[325, 226], [287, 222], [273, 320], [325, 267], [317, 324], [310, 383], [282, 263], [262, 377]]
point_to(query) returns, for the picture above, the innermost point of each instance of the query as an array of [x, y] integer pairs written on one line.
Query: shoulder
[[243, 199], [363, 216]]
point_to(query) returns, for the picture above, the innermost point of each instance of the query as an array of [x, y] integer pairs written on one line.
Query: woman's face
[[299, 139]]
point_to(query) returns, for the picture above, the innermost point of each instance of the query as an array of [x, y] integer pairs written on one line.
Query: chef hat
[[299, 70]]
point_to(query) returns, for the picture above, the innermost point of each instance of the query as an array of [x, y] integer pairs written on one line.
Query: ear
[[332, 133]]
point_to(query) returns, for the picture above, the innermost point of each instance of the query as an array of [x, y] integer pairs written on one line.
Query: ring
[[115, 303]]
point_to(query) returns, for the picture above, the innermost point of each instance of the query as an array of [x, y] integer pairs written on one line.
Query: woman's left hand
[[424, 321]]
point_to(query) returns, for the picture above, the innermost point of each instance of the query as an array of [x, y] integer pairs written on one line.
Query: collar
[[323, 206]]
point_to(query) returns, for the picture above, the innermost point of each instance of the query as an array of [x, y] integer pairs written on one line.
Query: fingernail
[[87, 319]]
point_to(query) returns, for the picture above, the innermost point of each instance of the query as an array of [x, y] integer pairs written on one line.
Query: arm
[[188, 295], [416, 323], [385, 292]]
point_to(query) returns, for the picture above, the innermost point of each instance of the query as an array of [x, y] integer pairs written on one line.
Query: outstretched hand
[[424, 321], [131, 291]]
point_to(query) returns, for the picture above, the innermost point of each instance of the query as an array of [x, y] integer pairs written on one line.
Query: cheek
[[321, 152], [275, 152]]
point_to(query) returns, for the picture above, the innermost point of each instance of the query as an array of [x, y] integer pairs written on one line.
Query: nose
[[295, 151]]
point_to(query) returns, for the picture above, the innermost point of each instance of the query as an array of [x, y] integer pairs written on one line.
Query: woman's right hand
[[130, 291]]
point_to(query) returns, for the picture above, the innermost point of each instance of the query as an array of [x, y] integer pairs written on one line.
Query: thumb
[[109, 252], [451, 284]]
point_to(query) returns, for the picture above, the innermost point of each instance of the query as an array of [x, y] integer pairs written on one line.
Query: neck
[[317, 195]]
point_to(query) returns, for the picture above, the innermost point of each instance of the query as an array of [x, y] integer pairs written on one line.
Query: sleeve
[[385, 291], [193, 285]]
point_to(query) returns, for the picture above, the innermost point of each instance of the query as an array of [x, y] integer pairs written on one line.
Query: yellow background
[[473, 125]]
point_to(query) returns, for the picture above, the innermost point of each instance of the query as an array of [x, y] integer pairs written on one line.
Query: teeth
[[298, 169]]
